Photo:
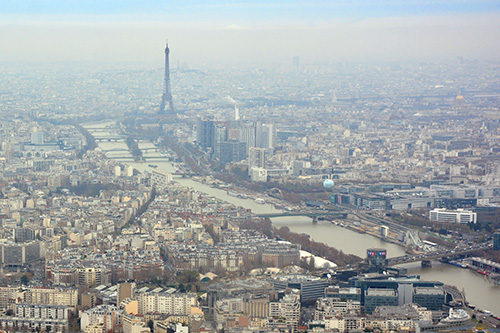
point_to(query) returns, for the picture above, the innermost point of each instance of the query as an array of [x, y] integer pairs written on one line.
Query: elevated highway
[[436, 254], [381, 221]]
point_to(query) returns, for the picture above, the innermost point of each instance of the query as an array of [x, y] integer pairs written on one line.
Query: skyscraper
[[166, 98], [231, 151], [247, 134], [220, 135], [268, 137], [205, 133]]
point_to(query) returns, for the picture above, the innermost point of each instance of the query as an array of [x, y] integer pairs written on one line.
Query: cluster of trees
[[73, 120], [89, 138], [440, 241], [189, 281], [184, 153], [133, 126], [420, 220], [263, 225], [235, 175], [25, 279], [90, 189], [317, 248], [133, 147], [210, 230], [488, 227]]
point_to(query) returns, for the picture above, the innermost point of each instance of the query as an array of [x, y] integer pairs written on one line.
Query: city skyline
[[328, 166]]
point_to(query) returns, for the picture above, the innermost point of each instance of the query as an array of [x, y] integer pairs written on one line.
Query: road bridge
[[101, 129], [127, 157], [338, 215], [109, 138], [114, 150], [435, 255], [126, 149]]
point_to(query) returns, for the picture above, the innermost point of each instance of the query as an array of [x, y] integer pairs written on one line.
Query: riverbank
[[373, 231], [477, 288], [319, 249]]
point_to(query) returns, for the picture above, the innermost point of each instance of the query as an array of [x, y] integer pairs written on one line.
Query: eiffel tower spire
[[167, 105]]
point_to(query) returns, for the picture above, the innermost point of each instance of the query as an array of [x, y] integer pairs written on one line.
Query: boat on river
[[487, 312], [236, 194], [458, 264]]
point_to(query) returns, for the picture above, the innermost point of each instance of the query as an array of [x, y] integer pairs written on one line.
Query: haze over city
[[231, 33], [249, 166]]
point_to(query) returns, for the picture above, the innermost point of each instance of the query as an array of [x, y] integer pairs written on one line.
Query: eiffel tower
[[167, 105]]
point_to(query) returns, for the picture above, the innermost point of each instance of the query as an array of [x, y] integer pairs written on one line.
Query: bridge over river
[[436, 254], [118, 137], [338, 215], [126, 149], [109, 138]]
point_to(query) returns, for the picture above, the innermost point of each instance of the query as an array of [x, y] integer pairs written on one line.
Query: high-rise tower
[[166, 98]]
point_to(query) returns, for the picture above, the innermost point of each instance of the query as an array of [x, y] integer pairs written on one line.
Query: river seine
[[478, 289]]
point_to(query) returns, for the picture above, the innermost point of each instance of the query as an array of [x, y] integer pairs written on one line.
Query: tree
[[189, 277], [312, 264], [74, 321], [24, 279], [210, 230]]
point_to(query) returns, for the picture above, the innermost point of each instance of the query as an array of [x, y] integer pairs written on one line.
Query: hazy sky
[[233, 32]]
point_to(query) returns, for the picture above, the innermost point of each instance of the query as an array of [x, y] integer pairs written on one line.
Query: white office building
[[452, 216]]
